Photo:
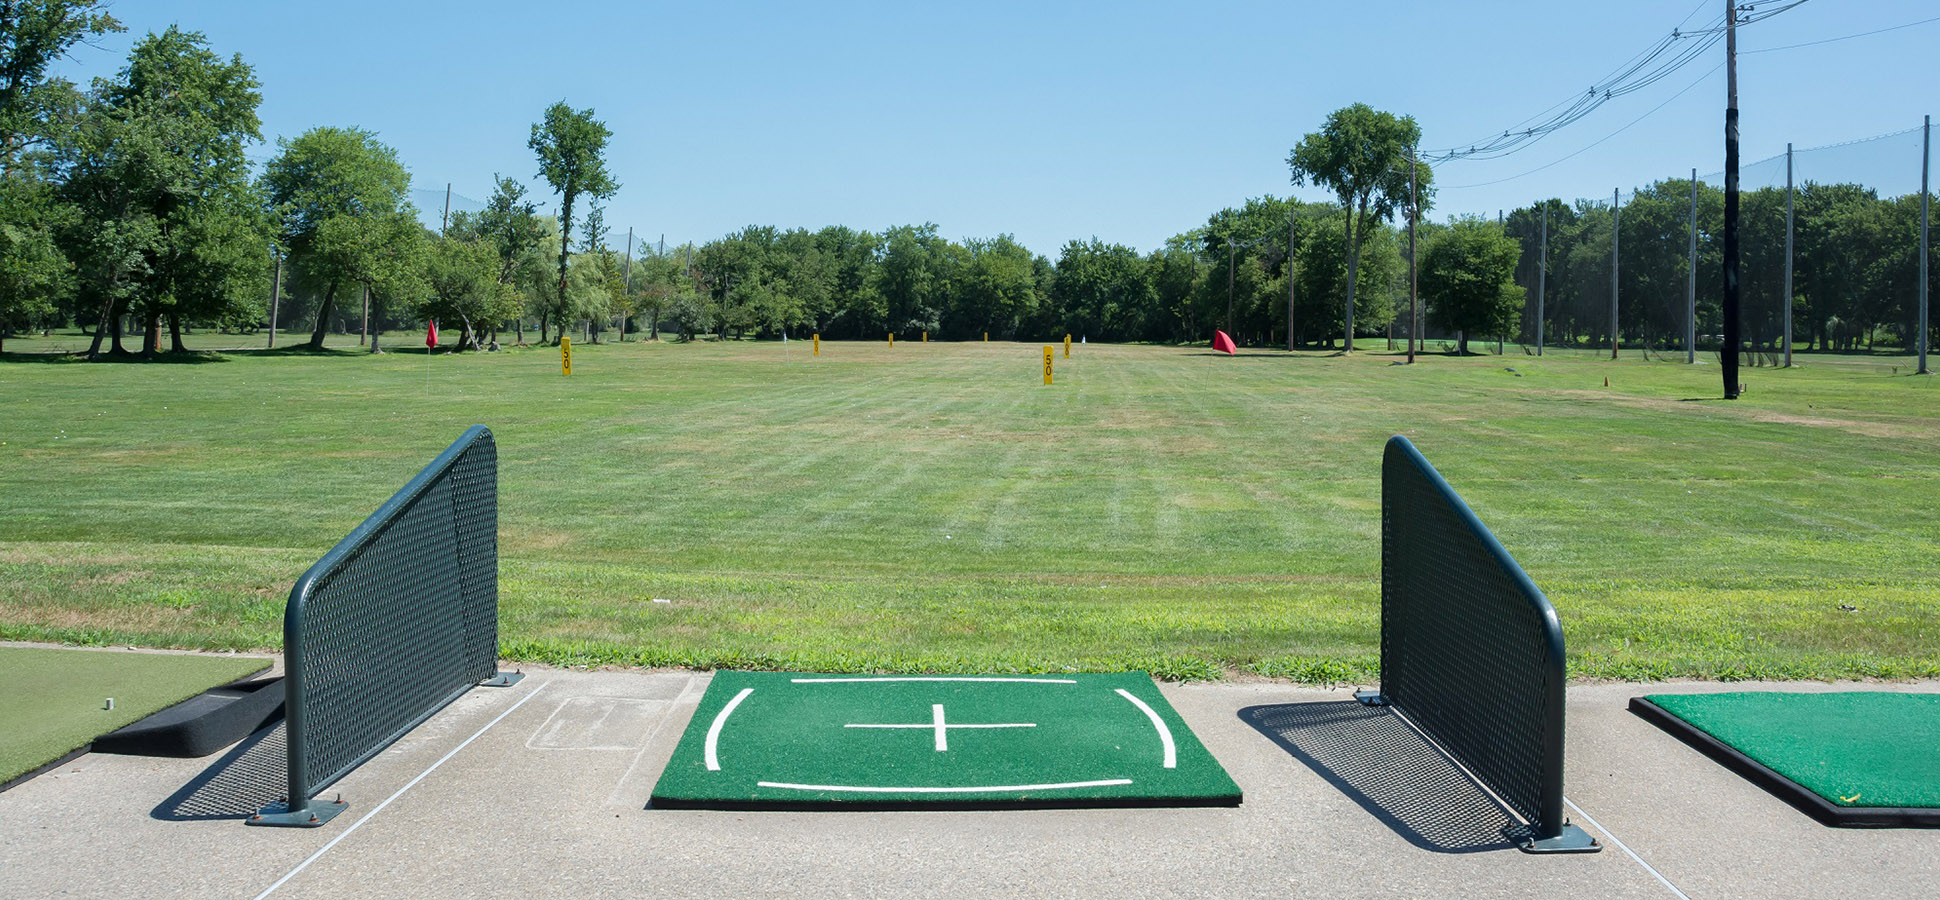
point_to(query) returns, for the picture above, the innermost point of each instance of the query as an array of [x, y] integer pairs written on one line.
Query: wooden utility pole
[[1542, 278], [626, 280], [1615, 232], [275, 297], [446, 223], [1414, 280], [1690, 289], [1728, 355], [364, 334], [1290, 209], [1230, 253]]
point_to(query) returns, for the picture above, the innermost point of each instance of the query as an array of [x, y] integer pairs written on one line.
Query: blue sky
[[1051, 121]]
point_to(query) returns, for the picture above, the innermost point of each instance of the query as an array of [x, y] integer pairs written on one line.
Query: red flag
[[1223, 344], [431, 335]]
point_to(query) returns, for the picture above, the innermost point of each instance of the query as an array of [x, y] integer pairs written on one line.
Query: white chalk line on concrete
[[617, 796], [400, 792], [1626, 849]]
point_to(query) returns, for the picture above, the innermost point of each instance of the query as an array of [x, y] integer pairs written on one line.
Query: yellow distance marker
[[1067, 346], [986, 337], [926, 337], [892, 339], [818, 345], [565, 355], [1047, 363]]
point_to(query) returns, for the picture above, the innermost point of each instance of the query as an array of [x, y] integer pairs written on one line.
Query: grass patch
[[936, 508]]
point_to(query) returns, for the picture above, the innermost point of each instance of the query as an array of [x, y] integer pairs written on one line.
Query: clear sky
[[1050, 121]]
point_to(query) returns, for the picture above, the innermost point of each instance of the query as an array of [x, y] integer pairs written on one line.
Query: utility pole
[[1290, 210], [275, 296], [1690, 287], [1615, 233], [446, 223], [1414, 275], [626, 279], [1926, 161], [365, 334], [1229, 287], [1788, 254], [1542, 279], [1729, 357]]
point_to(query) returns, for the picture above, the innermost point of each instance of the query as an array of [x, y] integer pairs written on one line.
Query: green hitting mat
[[55, 702], [1860, 758], [777, 740]]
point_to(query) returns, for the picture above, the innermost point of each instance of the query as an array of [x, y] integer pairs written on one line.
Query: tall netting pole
[[1616, 201], [1690, 287], [1788, 254], [1542, 278], [1926, 161], [1728, 357]]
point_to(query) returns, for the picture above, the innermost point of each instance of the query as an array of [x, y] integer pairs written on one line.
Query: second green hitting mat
[[1847, 758], [778, 740]]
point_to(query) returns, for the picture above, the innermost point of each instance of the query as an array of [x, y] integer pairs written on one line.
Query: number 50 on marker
[[565, 355], [1047, 364]]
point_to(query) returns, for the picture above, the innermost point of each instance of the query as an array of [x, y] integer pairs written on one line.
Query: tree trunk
[[101, 330], [120, 327], [323, 317], [175, 334], [544, 335], [373, 313], [151, 339]]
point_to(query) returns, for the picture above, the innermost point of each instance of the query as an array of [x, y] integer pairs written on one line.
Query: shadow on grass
[[1381, 764], [185, 358], [251, 775]]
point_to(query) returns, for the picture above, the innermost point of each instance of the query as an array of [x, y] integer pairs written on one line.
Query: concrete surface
[[540, 789]]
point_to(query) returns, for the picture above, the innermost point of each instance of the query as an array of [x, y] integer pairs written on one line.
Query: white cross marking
[[942, 727]]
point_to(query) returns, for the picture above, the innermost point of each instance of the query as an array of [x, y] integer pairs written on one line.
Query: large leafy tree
[[168, 223], [1361, 154], [33, 34], [511, 225], [1468, 278], [33, 271], [463, 287], [341, 199], [997, 291], [571, 145], [1101, 290]]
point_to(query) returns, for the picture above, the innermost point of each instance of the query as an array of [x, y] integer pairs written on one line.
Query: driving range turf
[[936, 508], [55, 701]]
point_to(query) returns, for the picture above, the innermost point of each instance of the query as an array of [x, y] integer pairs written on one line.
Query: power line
[[1655, 63], [1845, 38], [1653, 111]]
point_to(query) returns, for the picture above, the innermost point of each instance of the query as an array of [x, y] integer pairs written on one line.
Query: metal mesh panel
[[397, 620], [1471, 651]]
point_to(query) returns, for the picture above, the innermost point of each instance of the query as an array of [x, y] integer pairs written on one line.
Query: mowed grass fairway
[[936, 508]]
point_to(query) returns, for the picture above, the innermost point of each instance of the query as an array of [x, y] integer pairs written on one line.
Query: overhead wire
[[1655, 63]]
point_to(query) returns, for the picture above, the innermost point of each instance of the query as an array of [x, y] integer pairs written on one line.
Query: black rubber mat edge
[[1778, 785]]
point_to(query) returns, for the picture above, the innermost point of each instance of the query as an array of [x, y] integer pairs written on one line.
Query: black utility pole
[[1729, 357]]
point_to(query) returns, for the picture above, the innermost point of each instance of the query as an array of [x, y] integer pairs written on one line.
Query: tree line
[[131, 201]]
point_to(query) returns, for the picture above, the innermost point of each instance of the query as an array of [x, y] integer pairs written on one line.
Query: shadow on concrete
[[252, 775], [1391, 771]]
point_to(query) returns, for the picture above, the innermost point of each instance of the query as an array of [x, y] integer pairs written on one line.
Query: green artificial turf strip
[[1067, 740], [936, 507], [53, 702], [1853, 748]]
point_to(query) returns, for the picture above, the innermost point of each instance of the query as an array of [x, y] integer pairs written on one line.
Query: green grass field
[[936, 508], [56, 700]]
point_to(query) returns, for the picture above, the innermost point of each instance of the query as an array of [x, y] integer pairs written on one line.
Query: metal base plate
[[1572, 840], [1370, 698], [279, 815], [503, 679]]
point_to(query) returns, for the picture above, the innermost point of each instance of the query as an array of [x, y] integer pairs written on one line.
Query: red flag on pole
[[431, 336], [1223, 344]]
